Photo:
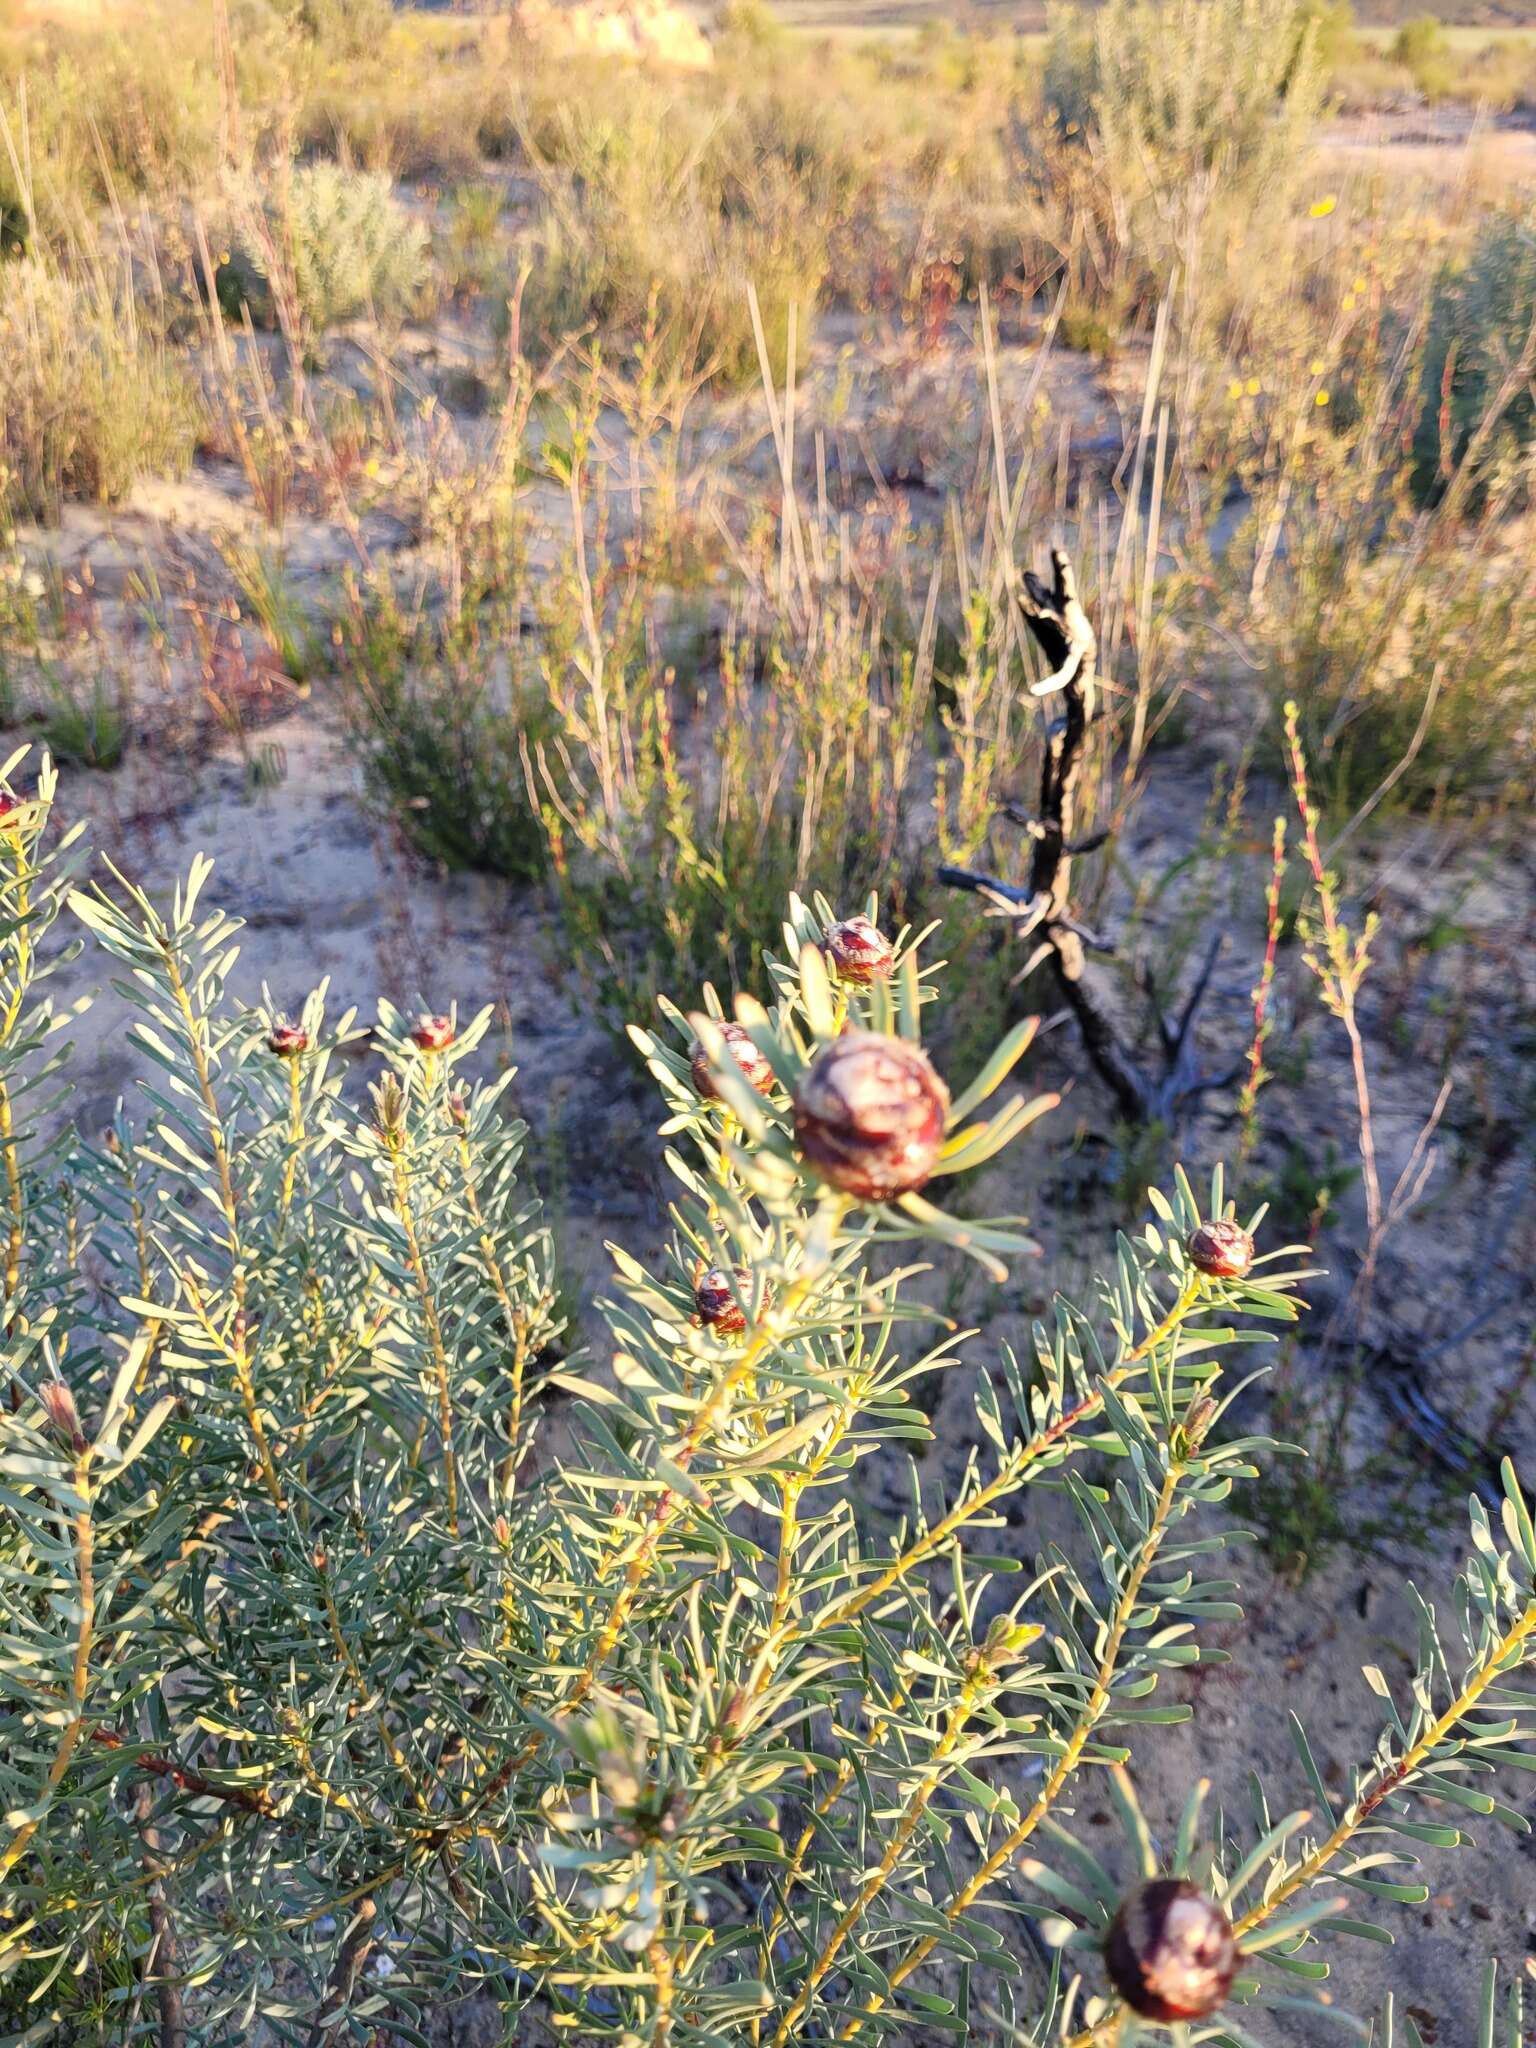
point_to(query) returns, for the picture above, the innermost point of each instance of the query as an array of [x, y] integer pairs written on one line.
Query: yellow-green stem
[[770, 1329], [80, 1674], [516, 1319], [295, 1141], [878, 1878], [16, 1234], [1010, 1477], [1065, 1765], [660, 1960], [434, 1339], [238, 1353], [1388, 1779], [22, 941]]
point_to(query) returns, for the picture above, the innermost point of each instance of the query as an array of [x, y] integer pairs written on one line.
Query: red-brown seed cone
[[738, 1043], [870, 1114], [715, 1302], [1171, 1953], [860, 951], [288, 1041], [1222, 1251], [432, 1034]]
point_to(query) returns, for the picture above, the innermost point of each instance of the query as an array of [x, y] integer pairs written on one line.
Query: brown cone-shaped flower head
[[738, 1043], [1222, 1251], [716, 1304], [432, 1034], [869, 1115], [1171, 1954], [860, 951], [288, 1041]]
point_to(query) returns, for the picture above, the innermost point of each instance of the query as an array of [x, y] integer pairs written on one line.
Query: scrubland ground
[[523, 517]]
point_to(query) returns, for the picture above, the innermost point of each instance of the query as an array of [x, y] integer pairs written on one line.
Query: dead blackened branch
[[1043, 912]]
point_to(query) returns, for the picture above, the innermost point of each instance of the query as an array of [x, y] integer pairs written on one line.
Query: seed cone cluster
[[432, 1034], [1222, 1251], [870, 1114], [755, 1069], [1171, 1954], [860, 951], [716, 1304]]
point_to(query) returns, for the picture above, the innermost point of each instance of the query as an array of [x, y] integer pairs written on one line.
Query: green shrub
[[97, 113], [1167, 126], [606, 259], [446, 717], [87, 722], [1374, 655], [671, 851], [1220, 89], [474, 235], [90, 399], [340, 242], [453, 757], [1480, 323], [1329, 29], [345, 29], [1423, 49], [338, 1688]]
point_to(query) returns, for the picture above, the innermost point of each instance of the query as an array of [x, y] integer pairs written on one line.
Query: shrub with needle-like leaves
[[364, 1651]]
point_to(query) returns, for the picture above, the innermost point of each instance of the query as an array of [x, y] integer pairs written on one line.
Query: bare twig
[[1044, 908], [253, 1798], [160, 1958], [348, 1967]]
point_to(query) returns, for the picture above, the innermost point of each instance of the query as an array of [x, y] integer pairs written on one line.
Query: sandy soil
[[1440, 150]]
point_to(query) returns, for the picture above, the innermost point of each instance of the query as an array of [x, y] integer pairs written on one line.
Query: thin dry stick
[[783, 446], [1263, 1024], [1340, 961], [1339, 964], [1395, 775]]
